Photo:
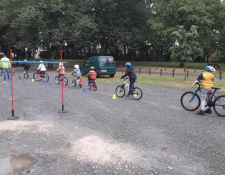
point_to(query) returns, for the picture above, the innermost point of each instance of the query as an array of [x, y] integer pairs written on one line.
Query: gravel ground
[[99, 135]]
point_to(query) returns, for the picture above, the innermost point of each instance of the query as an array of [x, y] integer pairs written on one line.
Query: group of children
[[206, 78]]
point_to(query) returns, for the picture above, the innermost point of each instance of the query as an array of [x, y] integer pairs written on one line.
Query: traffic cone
[[84, 91], [82, 85], [80, 80], [47, 83], [135, 95], [32, 80], [64, 86], [106, 90], [114, 97]]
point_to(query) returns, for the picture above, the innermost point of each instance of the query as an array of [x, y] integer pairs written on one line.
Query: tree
[[186, 47]]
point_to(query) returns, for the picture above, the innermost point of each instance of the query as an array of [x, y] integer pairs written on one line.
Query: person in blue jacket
[[132, 77]]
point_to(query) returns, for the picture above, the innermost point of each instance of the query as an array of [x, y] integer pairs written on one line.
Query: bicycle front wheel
[[57, 80], [219, 106], [74, 83], [65, 80], [120, 91], [45, 77], [190, 101], [137, 93], [36, 76]]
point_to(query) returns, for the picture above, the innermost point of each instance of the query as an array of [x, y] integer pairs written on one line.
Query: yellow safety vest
[[207, 81]]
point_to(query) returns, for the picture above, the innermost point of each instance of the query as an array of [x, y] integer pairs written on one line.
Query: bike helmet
[[92, 68], [76, 66], [25, 60], [41, 61], [128, 64], [210, 69], [60, 64]]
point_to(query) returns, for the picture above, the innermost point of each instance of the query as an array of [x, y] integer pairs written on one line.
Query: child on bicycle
[[26, 67], [76, 71], [132, 77], [91, 75], [206, 79], [41, 68], [61, 70]]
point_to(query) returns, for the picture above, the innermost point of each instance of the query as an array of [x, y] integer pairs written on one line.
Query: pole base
[[62, 111], [12, 118]]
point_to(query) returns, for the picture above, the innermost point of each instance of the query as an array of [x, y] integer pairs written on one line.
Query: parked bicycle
[[76, 81], [121, 90], [44, 76], [92, 85], [58, 79], [191, 101]]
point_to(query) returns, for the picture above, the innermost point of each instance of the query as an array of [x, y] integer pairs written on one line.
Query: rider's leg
[[131, 86], [209, 96]]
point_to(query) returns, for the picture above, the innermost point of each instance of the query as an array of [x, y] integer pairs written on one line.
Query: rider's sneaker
[[200, 113], [208, 111]]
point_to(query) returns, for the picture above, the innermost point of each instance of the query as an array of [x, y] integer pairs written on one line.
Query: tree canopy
[[127, 30]]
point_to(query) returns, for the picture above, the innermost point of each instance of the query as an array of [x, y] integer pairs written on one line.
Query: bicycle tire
[[220, 112], [74, 83], [57, 80], [120, 89], [65, 80], [94, 86], [45, 77], [89, 85], [137, 95], [36, 76], [189, 95]]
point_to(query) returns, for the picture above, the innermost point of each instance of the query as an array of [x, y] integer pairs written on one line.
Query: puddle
[[16, 164]]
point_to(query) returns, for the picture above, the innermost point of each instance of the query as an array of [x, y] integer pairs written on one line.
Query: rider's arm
[[200, 78], [39, 67], [126, 73], [88, 74]]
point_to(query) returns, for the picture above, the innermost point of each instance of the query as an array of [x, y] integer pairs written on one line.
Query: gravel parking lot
[[100, 135]]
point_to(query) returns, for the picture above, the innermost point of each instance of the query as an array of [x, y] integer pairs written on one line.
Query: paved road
[[101, 136]]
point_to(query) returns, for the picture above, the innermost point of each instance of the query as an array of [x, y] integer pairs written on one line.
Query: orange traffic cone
[[106, 90]]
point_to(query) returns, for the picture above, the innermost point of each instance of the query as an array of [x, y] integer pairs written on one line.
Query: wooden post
[[165, 68], [220, 75], [160, 72], [156, 67], [149, 71], [173, 72], [139, 70], [195, 70], [187, 73]]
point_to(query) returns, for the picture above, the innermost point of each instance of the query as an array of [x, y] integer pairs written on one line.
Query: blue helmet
[[210, 69], [128, 64]]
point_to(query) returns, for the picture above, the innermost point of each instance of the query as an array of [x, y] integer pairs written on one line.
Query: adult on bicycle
[[26, 67], [132, 77], [41, 68], [206, 79]]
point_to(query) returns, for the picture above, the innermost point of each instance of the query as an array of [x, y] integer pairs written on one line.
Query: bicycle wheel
[[94, 86], [89, 85], [190, 101], [45, 77], [137, 93], [120, 91], [57, 80], [74, 83], [36, 76], [219, 105], [65, 80]]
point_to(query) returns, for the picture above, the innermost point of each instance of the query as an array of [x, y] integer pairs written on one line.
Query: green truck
[[104, 65]]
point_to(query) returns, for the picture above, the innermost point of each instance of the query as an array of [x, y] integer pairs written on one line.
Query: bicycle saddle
[[216, 88]]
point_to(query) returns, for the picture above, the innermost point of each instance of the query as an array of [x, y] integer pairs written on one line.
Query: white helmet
[[60, 64], [41, 61], [76, 66]]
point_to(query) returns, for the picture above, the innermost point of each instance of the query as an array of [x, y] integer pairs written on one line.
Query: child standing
[[206, 79]]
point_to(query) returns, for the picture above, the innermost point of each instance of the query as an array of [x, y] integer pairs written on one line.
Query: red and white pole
[[62, 76], [13, 117]]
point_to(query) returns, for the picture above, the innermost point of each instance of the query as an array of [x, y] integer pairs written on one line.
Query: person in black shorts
[[26, 67]]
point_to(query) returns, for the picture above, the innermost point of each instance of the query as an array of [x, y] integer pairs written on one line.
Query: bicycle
[[59, 78], [92, 85], [44, 76], [76, 81], [121, 90], [190, 101], [26, 74]]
